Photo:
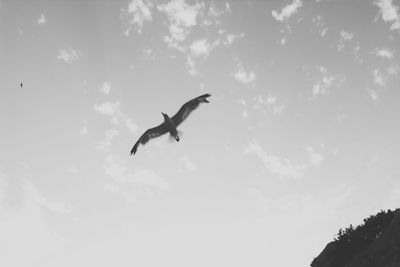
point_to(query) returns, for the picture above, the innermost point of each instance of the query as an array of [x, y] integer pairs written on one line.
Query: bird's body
[[171, 127], [170, 124]]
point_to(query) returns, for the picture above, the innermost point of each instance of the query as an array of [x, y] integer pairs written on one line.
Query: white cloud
[[108, 137], [322, 85], [108, 108], [69, 55], [105, 88], [269, 102], [42, 19], [344, 37], [243, 76], [53, 206], [182, 18], [319, 22], [393, 69], [113, 110], [389, 13], [275, 164], [287, 11], [372, 94], [131, 185], [384, 53], [189, 165], [315, 158], [379, 78], [140, 11], [83, 130], [24, 229], [230, 38], [200, 48]]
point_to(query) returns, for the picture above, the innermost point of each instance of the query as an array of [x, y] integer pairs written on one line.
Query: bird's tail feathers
[[172, 139]]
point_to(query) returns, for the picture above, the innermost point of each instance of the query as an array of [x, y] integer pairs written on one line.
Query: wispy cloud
[[107, 141], [129, 184], [188, 164], [319, 22], [326, 81], [69, 55], [281, 166], [139, 11], [270, 102], [314, 158], [42, 19], [108, 108], [113, 110], [287, 11], [344, 37], [389, 13]]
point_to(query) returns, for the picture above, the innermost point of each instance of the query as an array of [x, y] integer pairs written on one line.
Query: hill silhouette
[[374, 243]]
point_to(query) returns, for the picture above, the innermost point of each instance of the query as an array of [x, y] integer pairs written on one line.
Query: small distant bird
[[170, 124], [21, 85]]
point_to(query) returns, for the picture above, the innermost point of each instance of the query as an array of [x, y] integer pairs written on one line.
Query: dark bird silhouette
[[21, 85], [170, 124]]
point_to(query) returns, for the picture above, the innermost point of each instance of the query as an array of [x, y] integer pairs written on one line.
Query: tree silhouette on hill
[[352, 240]]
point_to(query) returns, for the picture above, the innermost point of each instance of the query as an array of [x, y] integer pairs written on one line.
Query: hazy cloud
[[275, 164], [384, 53], [108, 108], [69, 55], [107, 141], [42, 19], [105, 88]]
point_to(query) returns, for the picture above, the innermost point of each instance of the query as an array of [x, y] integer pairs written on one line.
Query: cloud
[[108, 108], [189, 165], [243, 76], [129, 184], [281, 166], [379, 78], [105, 88], [314, 157], [327, 81], [182, 17], [344, 37], [107, 141], [270, 102], [319, 22], [24, 228], [113, 110], [389, 13], [200, 48], [384, 53], [140, 11], [287, 11], [42, 19], [69, 55]]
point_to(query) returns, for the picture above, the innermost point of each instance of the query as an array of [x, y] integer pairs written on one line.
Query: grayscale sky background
[[301, 136]]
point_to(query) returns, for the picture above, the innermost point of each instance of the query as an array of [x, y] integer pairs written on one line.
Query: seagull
[[170, 124]]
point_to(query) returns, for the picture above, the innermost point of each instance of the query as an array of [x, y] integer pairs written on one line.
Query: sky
[[300, 138]]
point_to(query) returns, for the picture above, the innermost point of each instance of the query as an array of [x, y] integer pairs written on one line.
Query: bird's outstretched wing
[[149, 134], [188, 107]]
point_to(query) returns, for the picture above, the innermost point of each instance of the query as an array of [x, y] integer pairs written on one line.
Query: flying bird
[[170, 124]]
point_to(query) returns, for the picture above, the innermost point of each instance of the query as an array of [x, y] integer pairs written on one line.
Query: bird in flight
[[170, 124]]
